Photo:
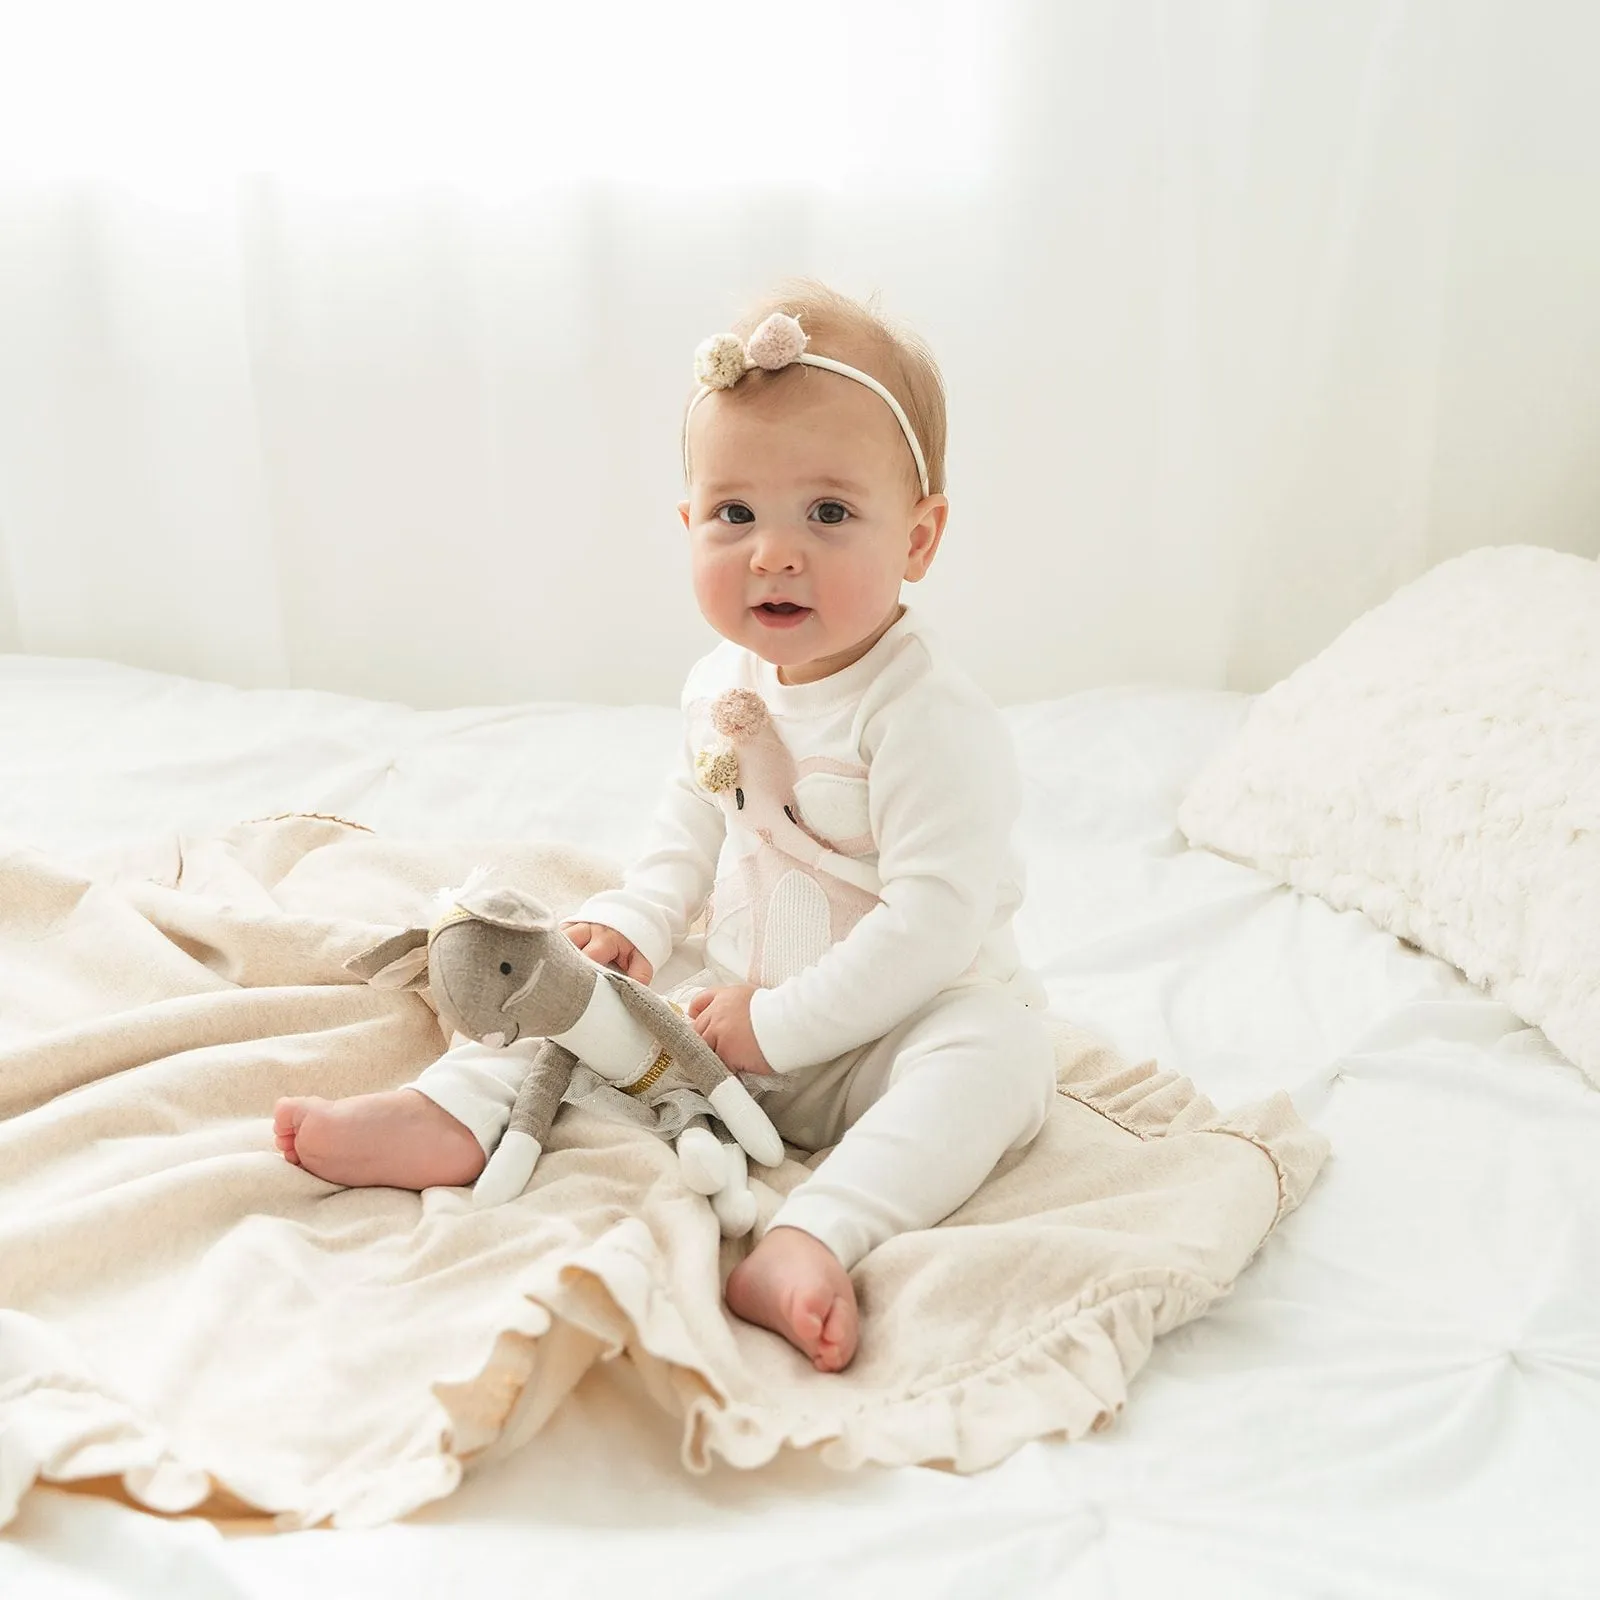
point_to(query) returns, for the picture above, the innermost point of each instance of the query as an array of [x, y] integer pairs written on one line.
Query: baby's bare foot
[[399, 1140], [795, 1285]]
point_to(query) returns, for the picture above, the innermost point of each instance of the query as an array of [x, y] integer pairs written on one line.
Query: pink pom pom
[[739, 714], [776, 342]]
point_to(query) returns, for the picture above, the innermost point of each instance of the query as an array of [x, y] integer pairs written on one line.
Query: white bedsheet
[[1402, 1398]]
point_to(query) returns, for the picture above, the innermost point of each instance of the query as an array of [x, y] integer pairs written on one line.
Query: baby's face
[[803, 522]]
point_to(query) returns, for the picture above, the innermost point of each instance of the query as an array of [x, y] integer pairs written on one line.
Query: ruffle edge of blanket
[[1064, 1377]]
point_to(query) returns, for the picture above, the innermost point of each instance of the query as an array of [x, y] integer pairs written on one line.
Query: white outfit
[[905, 766], [477, 1084], [891, 996]]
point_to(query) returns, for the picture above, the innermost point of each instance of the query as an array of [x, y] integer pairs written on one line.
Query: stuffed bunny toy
[[499, 969]]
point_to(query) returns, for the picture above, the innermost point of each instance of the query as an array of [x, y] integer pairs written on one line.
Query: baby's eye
[[735, 513], [831, 512]]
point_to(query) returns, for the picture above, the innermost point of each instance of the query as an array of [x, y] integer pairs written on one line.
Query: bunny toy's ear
[[505, 907], [400, 962]]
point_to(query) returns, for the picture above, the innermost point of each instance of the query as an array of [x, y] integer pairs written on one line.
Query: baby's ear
[[927, 529]]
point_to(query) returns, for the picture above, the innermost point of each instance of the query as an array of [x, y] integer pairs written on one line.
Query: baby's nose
[[775, 551]]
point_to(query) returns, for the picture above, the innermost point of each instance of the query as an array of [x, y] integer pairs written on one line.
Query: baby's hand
[[722, 1018], [608, 947]]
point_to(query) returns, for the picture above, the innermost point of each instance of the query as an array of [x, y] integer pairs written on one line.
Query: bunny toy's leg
[[700, 1158], [703, 1071], [734, 1204], [717, 1169]]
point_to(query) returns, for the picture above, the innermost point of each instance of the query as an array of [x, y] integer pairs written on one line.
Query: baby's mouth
[[781, 613]]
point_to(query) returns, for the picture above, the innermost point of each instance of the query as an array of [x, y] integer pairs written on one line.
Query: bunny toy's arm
[[538, 1100], [744, 1119]]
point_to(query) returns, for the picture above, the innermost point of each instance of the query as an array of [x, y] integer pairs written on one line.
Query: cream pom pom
[[777, 341], [716, 770], [719, 361], [739, 714]]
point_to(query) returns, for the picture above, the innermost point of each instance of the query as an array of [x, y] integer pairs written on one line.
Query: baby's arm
[[944, 794], [721, 1016], [666, 888], [609, 948]]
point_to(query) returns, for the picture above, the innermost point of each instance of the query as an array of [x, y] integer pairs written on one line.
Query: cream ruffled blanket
[[188, 1320]]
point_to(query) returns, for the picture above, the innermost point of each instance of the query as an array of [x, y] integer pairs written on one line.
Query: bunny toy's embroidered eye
[[738, 798], [505, 968]]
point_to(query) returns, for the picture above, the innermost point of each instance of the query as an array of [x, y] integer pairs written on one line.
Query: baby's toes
[[287, 1116], [808, 1318], [835, 1340]]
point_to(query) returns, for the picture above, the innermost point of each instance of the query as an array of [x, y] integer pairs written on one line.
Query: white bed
[[1402, 1397]]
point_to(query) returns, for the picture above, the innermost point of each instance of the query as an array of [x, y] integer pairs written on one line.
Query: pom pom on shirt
[[739, 714], [716, 770]]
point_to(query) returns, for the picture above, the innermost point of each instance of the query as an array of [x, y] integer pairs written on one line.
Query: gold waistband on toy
[[650, 1076]]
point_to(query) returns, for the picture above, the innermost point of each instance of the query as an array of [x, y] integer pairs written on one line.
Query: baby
[[842, 812]]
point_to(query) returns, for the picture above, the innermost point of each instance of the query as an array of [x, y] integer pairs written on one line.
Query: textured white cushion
[[1438, 767]]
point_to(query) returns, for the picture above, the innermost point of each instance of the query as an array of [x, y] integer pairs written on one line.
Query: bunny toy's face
[[497, 984]]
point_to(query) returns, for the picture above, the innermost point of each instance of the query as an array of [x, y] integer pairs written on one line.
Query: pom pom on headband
[[721, 361], [776, 342], [779, 341]]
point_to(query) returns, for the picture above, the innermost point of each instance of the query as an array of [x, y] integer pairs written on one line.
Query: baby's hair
[[860, 335]]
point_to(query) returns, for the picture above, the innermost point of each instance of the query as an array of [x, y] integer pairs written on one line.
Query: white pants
[[477, 1084], [920, 1116]]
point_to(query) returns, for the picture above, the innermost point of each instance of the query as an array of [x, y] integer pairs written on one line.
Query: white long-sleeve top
[[901, 765]]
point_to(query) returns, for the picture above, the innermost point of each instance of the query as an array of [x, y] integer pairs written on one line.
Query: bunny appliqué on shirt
[[794, 882]]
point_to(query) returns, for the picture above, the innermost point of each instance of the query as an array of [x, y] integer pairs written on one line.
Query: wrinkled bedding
[[1401, 1396], [188, 1314]]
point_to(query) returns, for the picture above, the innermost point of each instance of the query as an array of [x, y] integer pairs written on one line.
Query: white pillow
[[1438, 767]]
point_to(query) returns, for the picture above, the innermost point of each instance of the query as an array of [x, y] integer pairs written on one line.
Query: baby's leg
[[935, 1107], [436, 1132], [970, 1078]]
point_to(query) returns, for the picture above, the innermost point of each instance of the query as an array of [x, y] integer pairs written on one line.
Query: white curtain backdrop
[[344, 346]]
